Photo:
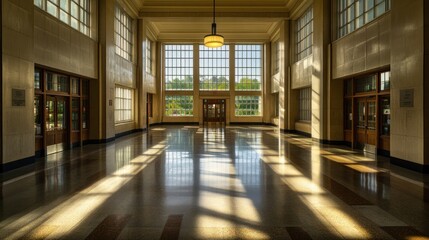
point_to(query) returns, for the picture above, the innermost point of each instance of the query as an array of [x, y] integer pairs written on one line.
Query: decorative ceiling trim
[[130, 7], [283, 15]]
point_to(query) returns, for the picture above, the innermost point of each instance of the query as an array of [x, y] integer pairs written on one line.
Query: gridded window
[[38, 79], [305, 104], [248, 106], [304, 35], [123, 104], [276, 104], [248, 67], [353, 14], [57, 82], [384, 81], [214, 68], [123, 33], [275, 52], [179, 67], [149, 56], [366, 84], [179, 105], [75, 13]]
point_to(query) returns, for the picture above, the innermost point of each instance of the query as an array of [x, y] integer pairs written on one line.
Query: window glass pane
[[248, 106], [75, 88], [357, 13], [75, 114], [214, 68], [38, 103], [38, 3], [365, 84], [123, 33], [385, 115], [248, 69], [305, 104], [179, 67], [179, 105], [57, 82], [37, 78], [68, 11], [348, 108], [304, 36], [384, 81], [123, 104], [51, 9]]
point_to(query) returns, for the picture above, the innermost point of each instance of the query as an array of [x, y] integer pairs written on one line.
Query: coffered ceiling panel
[[251, 20]]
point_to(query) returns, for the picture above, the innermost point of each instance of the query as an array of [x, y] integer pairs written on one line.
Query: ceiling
[[237, 20]]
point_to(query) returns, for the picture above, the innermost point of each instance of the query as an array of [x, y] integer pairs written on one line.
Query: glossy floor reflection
[[237, 182]]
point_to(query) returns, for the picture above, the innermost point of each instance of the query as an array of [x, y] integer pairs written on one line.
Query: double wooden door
[[214, 110], [366, 123], [56, 123]]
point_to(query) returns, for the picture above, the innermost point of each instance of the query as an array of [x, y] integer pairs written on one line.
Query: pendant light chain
[[214, 11]]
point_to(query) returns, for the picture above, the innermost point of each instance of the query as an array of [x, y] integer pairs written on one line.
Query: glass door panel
[[56, 123], [361, 114], [372, 114]]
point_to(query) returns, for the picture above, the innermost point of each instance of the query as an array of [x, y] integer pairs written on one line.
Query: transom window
[[248, 67], [75, 13], [123, 104], [123, 33], [214, 68], [248, 106], [304, 35], [179, 67], [353, 14], [179, 105]]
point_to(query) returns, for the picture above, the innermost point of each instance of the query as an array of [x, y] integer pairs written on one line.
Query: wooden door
[[366, 124], [214, 110], [56, 123]]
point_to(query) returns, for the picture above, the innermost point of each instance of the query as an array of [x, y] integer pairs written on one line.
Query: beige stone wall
[[301, 73], [321, 41], [407, 72], [116, 71], [366, 49], [59, 46], [18, 73]]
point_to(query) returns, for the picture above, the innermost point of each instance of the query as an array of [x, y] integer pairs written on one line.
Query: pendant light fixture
[[213, 40]]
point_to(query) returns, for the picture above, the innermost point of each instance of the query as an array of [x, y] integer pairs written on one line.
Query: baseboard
[[179, 123], [330, 142], [17, 164], [383, 152], [304, 134], [246, 123], [409, 165], [122, 134], [100, 141]]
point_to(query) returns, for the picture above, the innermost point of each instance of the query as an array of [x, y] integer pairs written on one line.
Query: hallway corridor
[[237, 182]]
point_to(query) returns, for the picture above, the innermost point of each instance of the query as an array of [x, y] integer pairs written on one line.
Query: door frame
[[57, 146], [367, 142]]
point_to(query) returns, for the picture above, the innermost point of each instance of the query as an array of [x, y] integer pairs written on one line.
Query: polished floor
[[237, 182]]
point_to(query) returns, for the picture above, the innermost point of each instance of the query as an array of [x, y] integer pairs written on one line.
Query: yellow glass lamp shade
[[213, 40]]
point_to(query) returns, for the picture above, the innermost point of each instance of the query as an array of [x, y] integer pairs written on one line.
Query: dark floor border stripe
[[110, 227], [172, 227], [304, 134], [410, 165], [122, 134], [404, 232], [297, 233], [17, 164]]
